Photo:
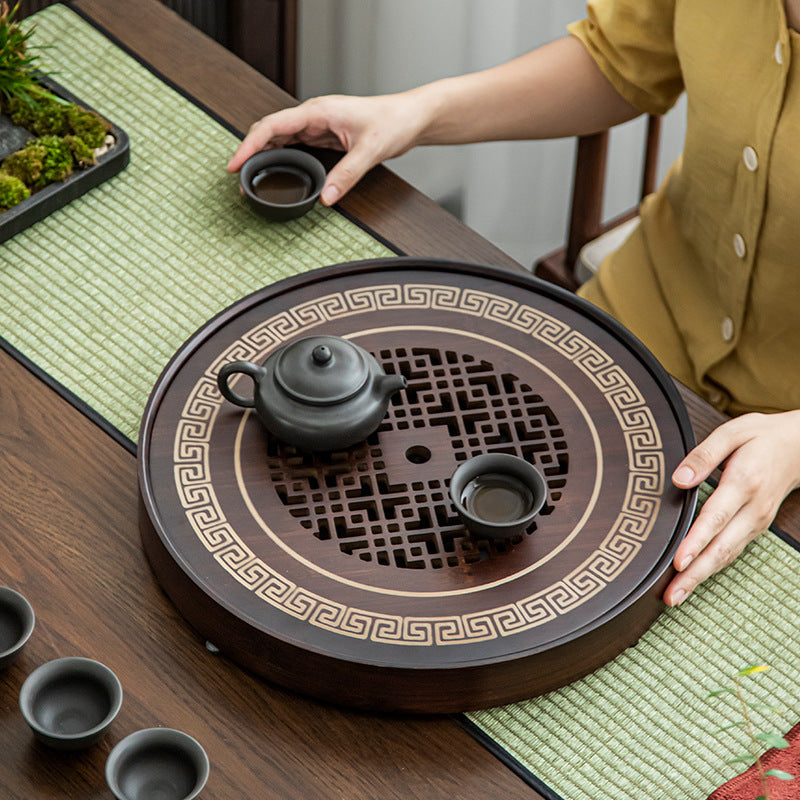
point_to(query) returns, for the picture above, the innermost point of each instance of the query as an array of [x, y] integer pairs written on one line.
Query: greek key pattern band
[[624, 539]]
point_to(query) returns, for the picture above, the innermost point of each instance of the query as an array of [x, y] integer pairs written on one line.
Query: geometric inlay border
[[622, 542]]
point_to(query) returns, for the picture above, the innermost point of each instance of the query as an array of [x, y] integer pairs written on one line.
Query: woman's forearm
[[554, 91]]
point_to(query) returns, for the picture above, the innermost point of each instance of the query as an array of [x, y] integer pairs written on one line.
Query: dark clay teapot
[[319, 393]]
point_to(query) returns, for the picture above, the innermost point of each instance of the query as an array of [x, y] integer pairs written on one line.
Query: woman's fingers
[[714, 517], [275, 130], [718, 553], [710, 453], [349, 171], [368, 129], [716, 537]]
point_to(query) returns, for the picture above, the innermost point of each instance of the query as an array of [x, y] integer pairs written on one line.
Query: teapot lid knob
[[322, 370], [321, 354]]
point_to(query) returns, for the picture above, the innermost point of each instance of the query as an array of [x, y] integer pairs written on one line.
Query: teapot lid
[[321, 370]]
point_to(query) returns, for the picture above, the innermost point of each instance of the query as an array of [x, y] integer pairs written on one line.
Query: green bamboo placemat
[[102, 292], [639, 727]]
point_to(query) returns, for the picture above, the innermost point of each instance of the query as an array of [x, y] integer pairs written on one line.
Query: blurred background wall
[[514, 193]]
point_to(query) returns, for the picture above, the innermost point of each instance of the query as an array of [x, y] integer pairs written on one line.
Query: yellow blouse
[[710, 280]]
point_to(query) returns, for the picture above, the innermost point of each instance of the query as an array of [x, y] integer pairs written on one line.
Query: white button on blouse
[[750, 158], [779, 53], [727, 329], [740, 248]]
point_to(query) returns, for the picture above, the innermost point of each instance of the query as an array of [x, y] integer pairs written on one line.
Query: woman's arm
[[554, 91]]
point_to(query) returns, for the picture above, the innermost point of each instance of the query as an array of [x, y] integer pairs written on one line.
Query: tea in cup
[[497, 495], [282, 184]]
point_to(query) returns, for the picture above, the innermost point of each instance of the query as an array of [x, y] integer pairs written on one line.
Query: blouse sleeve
[[633, 44]]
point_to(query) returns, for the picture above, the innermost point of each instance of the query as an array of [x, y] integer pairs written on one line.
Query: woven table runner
[[101, 293]]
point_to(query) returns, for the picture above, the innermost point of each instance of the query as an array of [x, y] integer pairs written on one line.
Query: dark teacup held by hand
[[497, 495], [282, 184]]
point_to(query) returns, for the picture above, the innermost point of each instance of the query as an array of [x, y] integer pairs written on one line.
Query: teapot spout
[[387, 385]]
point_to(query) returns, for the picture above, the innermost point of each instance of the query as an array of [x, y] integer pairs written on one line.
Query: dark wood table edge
[[505, 758]]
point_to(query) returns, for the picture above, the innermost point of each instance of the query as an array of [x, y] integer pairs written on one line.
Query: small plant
[[90, 127], [17, 65], [756, 739], [65, 134], [81, 152], [26, 165]]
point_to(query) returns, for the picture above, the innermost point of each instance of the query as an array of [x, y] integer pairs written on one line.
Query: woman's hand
[[761, 453], [369, 130]]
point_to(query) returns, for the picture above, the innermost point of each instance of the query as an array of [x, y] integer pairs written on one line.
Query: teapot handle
[[248, 368]]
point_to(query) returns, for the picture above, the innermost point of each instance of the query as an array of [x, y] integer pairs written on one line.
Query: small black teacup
[[70, 702], [157, 762], [282, 184], [16, 624], [497, 495]]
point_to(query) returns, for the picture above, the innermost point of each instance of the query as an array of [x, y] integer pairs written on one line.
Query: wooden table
[[69, 540]]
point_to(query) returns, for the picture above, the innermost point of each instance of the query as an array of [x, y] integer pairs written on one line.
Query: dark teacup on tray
[[497, 495]]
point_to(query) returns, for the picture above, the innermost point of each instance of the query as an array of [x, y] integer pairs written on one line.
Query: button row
[[750, 158]]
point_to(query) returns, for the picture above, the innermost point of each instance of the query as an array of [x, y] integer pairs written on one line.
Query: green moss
[[58, 161], [42, 116], [47, 116], [82, 154], [12, 191], [26, 164], [40, 162], [21, 110], [89, 126]]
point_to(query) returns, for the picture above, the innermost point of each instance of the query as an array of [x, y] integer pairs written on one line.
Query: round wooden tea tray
[[348, 576]]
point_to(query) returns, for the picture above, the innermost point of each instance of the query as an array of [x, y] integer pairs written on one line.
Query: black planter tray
[[56, 195]]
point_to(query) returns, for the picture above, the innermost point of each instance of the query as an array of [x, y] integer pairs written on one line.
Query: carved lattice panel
[[353, 496]]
